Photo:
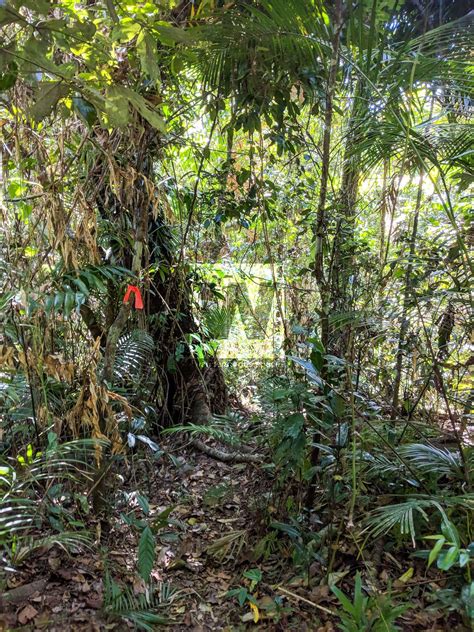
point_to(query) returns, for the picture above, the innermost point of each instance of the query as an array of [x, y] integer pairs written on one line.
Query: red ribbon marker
[[138, 301]]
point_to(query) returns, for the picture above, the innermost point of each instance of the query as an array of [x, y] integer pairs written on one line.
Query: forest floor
[[216, 522]]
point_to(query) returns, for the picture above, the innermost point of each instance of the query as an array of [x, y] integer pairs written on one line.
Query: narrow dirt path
[[201, 555]]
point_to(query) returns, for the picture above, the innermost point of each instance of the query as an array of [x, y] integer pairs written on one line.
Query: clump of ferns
[[36, 496]]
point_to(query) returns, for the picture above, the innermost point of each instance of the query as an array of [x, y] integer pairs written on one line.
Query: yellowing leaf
[[407, 576], [255, 612]]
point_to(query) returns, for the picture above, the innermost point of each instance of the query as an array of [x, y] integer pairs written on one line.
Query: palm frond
[[433, 460], [134, 356], [24, 503], [217, 321], [67, 540], [404, 515], [218, 429], [141, 610]]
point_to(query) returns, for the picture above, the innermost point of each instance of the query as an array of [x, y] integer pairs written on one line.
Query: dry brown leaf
[[27, 614]]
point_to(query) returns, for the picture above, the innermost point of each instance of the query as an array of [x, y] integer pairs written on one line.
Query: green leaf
[[9, 76], [295, 425], [34, 54], [450, 532], [464, 558], [345, 603], [146, 553], [170, 35], [240, 593], [116, 106], [467, 597], [85, 109], [8, 16], [146, 47], [48, 94], [81, 285], [435, 550], [448, 559], [69, 302], [255, 576], [40, 6], [140, 104]]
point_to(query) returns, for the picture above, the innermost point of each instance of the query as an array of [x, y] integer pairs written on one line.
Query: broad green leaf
[[35, 55], [85, 109], [146, 553], [116, 107], [435, 550], [171, 35], [144, 108], [294, 424], [39, 6], [450, 532], [147, 50], [9, 16], [48, 94], [448, 559]]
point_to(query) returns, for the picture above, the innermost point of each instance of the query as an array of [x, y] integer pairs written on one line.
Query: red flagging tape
[[132, 289]]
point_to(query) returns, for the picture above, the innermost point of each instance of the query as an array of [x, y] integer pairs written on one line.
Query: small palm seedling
[[36, 496], [367, 612], [143, 610]]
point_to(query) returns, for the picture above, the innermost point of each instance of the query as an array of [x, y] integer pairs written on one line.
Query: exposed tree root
[[226, 457], [201, 414]]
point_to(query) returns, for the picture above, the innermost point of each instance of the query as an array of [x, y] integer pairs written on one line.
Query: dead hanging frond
[[8, 357], [57, 367], [86, 232], [92, 413], [60, 235]]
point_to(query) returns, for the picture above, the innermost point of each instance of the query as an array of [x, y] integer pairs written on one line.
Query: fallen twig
[[310, 603]]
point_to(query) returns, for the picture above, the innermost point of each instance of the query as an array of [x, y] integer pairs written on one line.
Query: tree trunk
[[320, 226], [141, 242], [407, 295], [342, 265]]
